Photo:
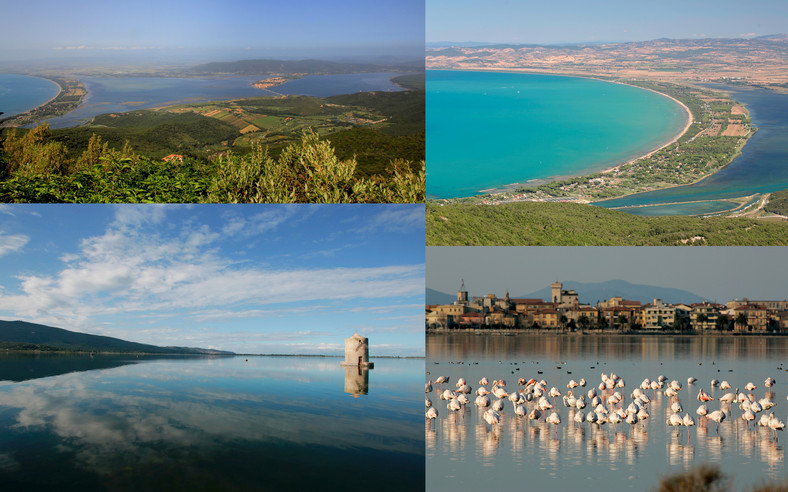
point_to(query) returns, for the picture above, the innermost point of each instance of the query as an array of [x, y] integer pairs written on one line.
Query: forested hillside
[[569, 224]]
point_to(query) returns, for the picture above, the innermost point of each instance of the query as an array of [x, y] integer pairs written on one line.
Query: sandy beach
[[671, 141]]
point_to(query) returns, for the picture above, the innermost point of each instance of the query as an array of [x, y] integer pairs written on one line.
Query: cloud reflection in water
[[157, 411]]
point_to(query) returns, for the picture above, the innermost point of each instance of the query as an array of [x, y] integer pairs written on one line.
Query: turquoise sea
[[486, 130], [20, 93]]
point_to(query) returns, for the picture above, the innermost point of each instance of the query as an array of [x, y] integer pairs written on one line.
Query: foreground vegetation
[[709, 478], [778, 203], [570, 224], [36, 168], [363, 147]]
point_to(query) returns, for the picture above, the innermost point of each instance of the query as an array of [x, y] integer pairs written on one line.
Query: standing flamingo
[[554, 419], [717, 416]]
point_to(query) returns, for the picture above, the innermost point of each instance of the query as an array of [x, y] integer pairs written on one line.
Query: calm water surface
[[487, 130], [465, 453], [269, 423], [20, 93], [118, 94], [761, 168]]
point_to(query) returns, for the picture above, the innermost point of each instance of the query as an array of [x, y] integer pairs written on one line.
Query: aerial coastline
[[616, 181], [71, 93]]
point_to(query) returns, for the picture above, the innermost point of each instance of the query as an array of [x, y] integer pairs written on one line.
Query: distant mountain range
[[481, 44], [591, 293], [21, 335], [309, 67]]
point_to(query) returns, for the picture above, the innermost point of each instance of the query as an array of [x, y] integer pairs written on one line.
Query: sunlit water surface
[[266, 423], [466, 453]]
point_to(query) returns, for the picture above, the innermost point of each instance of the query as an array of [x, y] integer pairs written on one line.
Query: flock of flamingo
[[606, 402]]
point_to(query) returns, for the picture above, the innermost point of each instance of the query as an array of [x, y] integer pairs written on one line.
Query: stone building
[[357, 352]]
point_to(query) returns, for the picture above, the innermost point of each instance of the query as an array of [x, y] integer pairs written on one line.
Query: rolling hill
[[21, 335], [572, 224], [309, 67], [593, 292]]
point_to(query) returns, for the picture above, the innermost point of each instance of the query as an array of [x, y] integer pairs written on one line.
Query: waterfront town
[[564, 313]]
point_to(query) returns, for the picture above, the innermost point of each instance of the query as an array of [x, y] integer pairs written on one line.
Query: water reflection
[[19, 367], [204, 416], [356, 381], [576, 452]]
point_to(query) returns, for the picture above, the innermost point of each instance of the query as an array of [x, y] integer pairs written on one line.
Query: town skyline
[[563, 310]]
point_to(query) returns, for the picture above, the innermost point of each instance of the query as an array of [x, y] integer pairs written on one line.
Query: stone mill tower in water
[[357, 352]]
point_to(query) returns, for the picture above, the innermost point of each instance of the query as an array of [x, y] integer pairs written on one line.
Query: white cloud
[[265, 221], [404, 218], [137, 215], [132, 271], [12, 243]]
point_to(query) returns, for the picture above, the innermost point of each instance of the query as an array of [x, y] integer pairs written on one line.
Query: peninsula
[[71, 94], [24, 336]]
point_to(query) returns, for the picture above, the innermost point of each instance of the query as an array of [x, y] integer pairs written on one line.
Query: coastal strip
[[71, 94], [675, 139]]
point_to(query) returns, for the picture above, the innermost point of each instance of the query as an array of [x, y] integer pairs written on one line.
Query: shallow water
[[761, 167], [237, 423], [119, 94], [466, 453], [487, 130], [691, 208]]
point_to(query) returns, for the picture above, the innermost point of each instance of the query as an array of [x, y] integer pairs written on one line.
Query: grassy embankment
[[570, 224], [778, 203], [365, 147]]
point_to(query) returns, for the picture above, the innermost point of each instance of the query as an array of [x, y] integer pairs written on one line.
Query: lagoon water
[[761, 168], [486, 130], [118, 94], [266, 423], [20, 93], [466, 453]]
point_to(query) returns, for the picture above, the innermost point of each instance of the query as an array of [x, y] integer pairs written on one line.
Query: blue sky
[[566, 21], [53, 27], [244, 278], [720, 273]]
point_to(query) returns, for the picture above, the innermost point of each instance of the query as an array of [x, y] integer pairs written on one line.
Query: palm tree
[[584, 322], [701, 319], [563, 320], [622, 321], [741, 320]]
